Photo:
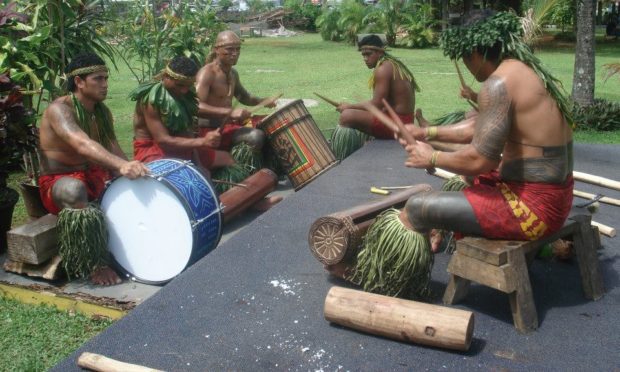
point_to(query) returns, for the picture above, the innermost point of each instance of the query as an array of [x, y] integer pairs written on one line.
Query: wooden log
[[604, 229], [35, 242], [596, 180], [239, 198], [399, 319], [336, 237], [100, 363], [604, 199]]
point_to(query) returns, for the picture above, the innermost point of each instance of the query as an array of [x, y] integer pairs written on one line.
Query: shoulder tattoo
[[493, 123]]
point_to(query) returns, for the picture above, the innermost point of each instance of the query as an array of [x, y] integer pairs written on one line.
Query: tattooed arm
[[62, 121], [490, 134]]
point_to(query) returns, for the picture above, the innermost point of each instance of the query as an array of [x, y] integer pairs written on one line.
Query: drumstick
[[463, 85], [225, 119], [458, 71], [230, 183], [265, 102], [401, 126], [330, 101], [97, 362], [381, 117]]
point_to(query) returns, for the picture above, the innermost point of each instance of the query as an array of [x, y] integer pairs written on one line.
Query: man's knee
[[346, 119], [70, 192], [417, 210], [253, 137]]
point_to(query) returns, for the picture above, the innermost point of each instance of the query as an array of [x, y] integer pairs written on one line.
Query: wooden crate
[[35, 242]]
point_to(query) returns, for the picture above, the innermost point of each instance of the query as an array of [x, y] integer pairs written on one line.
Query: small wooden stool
[[501, 264]]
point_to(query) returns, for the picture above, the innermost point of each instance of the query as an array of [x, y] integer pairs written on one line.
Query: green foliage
[[351, 22], [563, 14], [327, 23], [304, 15], [418, 26], [35, 338], [36, 50], [388, 15], [603, 115], [18, 133], [148, 41]]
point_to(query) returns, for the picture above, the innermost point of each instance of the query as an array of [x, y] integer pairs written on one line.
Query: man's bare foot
[[266, 203], [340, 270], [422, 122], [105, 276], [436, 238]]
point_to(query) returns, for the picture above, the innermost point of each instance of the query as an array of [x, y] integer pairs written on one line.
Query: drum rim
[[191, 260], [268, 117], [185, 204]]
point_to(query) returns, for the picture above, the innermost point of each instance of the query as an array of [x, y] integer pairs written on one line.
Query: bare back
[[399, 91], [538, 146]]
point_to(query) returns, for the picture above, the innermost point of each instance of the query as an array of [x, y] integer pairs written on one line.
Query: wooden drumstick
[[265, 102], [401, 126], [100, 363], [229, 183], [330, 101], [604, 199], [463, 85], [381, 117]]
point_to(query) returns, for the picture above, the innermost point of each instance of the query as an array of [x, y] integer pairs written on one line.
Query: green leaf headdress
[[506, 28]]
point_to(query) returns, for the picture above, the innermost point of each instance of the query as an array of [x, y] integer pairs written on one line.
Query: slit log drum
[[336, 238], [238, 198]]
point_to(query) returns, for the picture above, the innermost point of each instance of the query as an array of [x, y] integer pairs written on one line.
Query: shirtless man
[[390, 80], [157, 136], [518, 148], [217, 83], [78, 147]]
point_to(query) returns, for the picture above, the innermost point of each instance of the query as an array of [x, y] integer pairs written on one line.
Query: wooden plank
[[481, 272], [487, 250], [522, 304], [585, 250], [35, 242], [49, 270]]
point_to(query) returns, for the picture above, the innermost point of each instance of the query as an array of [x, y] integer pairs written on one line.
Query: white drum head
[[150, 234]]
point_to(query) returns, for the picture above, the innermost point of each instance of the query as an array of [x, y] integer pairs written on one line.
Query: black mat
[[256, 302]]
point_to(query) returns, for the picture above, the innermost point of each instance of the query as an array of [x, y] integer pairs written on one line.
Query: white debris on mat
[[287, 286]]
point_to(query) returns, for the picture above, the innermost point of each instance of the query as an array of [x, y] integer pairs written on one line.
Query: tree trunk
[[445, 14], [584, 71]]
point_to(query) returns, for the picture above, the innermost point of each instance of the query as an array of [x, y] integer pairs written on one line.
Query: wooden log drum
[[337, 237]]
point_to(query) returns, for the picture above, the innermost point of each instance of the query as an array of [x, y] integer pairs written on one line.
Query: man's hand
[[272, 103], [417, 132], [213, 139], [419, 155], [239, 114], [468, 93], [133, 169]]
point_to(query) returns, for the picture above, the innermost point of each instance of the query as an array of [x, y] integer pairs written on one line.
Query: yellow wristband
[[434, 157], [431, 132]]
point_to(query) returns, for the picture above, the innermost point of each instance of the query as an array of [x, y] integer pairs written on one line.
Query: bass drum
[[160, 224]]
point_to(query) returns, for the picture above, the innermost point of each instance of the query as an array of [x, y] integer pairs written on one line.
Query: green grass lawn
[[34, 338]]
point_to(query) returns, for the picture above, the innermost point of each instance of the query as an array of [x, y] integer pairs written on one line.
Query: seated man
[[163, 119], [522, 169], [391, 80], [79, 153], [217, 83]]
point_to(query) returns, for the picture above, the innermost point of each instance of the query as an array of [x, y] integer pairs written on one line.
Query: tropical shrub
[[304, 14], [418, 27], [387, 16], [601, 116], [351, 22], [327, 23]]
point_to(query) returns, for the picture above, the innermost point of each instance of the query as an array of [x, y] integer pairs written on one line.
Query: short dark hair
[[370, 40], [184, 66], [81, 61], [473, 17]]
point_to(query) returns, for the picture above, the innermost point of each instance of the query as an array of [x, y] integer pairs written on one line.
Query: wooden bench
[[502, 265]]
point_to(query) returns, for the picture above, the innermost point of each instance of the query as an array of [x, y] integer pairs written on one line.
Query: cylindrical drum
[[300, 146], [239, 198], [336, 237]]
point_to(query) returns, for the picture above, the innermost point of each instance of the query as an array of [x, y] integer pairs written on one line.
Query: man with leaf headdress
[[518, 148], [164, 119], [79, 153], [390, 80]]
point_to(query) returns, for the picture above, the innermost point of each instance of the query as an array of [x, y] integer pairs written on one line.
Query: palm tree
[[584, 71]]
